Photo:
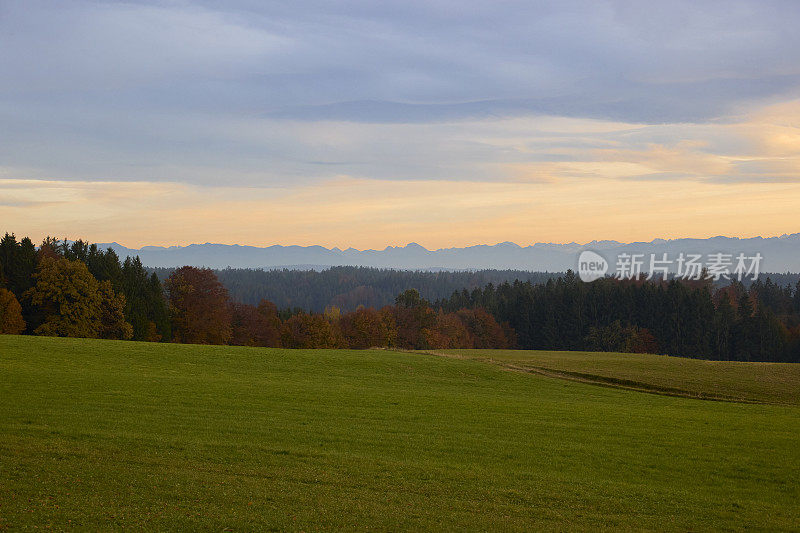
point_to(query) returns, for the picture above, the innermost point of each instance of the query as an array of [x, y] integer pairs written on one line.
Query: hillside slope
[[105, 434], [770, 383]]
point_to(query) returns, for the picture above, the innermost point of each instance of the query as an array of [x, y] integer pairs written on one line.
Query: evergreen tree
[[145, 304]]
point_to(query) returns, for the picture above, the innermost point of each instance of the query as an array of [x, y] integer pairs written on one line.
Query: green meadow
[[111, 435], [769, 383]]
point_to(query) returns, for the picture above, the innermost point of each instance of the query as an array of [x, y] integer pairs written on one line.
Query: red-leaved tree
[[256, 326], [199, 307]]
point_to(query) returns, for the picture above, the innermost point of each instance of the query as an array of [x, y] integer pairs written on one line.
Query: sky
[[367, 124]]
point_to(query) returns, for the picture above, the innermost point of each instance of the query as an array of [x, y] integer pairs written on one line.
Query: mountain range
[[780, 254]]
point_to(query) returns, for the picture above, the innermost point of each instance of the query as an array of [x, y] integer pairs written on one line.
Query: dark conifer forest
[[348, 287], [680, 318]]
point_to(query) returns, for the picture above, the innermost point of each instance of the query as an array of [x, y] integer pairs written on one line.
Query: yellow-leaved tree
[[72, 303], [11, 322]]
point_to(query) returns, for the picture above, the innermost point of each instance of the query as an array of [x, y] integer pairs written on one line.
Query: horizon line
[[415, 244]]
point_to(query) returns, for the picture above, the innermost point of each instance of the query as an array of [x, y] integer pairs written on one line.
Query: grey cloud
[[138, 90], [402, 61]]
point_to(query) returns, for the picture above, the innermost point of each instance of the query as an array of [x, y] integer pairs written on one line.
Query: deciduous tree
[[256, 326], [414, 318], [366, 328], [448, 332], [483, 328], [199, 307], [11, 322], [68, 297], [310, 331]]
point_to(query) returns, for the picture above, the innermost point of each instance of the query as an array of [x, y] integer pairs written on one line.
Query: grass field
[[773, 383], [105, 435]]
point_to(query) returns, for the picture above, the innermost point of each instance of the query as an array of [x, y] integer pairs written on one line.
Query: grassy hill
[[104, 434], [772, 383]]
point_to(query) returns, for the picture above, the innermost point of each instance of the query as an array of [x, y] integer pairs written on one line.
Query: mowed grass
[[106, 435], [775, 383]]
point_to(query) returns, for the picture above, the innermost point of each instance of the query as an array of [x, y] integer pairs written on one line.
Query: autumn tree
[[484, 329], [366, 328], [311, 331], [244, 320], [269, 331], [413, 316], [11, 322], [68, 299], [387, 314], [641, 340], [449, 331], [199, 307], [145, 306], [72, 303], [256, 326]]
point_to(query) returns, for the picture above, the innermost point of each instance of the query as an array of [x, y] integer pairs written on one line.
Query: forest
[[680, 318], [72, 288], [348, 287]]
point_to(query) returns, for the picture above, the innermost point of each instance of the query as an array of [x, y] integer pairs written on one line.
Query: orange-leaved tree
[[484, 329], [368, 328], [448, 332]]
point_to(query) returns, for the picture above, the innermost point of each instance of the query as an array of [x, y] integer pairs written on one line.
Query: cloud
[[404, 61], [178, 99], [264, 152]]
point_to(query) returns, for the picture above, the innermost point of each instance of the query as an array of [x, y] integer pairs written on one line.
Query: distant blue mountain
[[781, 254]]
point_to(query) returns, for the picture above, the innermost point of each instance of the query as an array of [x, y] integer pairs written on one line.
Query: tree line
[[202, 312], [74, 289], [348, 287], [681, 318]]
